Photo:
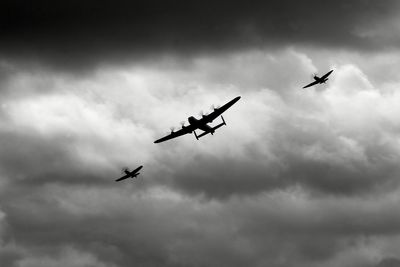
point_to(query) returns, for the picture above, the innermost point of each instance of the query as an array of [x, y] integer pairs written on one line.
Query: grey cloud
[[152, 228], [389, 262], [34, 160], [141, 235], [9, 257]]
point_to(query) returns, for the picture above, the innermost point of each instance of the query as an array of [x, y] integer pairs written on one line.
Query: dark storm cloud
[[72, 33]]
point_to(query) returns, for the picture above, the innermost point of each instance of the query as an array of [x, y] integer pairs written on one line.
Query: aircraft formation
[[203, 124]]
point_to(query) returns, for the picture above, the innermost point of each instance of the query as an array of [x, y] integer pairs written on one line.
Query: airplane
[[201, 124], [130, 174], [319, 80]]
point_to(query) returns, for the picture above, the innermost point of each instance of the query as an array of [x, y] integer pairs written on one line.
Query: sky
[[297, 178]]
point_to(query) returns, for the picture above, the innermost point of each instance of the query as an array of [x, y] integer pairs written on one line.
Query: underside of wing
[[205, 128], [326, 75], [183, 131], [311, 84], [137, 169], [122, 178]]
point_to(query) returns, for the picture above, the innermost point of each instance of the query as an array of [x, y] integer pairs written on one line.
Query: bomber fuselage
[[199, 124]]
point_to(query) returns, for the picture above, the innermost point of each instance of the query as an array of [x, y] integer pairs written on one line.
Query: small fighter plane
[[201, 124], [319, 80], [129, 174]]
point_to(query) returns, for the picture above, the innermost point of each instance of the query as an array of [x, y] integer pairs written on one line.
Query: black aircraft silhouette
[[201, 124], [319, 80], [129, 174]]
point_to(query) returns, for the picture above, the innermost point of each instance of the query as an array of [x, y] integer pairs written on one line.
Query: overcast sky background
[[302, 178]]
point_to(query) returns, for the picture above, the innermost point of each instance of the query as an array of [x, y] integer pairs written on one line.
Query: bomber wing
[[218, 111], [311, 84], [326, 75], [185, 130]]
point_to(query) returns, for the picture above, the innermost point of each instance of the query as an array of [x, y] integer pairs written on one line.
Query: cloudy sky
[[302, 178]]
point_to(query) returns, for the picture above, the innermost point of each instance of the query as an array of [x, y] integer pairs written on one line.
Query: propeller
[[313, 75], [183, 124], [201, 113], [213, 107], [172, 129], [124, 169]]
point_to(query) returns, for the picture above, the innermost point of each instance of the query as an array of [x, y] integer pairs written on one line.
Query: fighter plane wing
[[218, 111], [137, 169], [311, 84], [122, 178], [185, 130], [326, 75]]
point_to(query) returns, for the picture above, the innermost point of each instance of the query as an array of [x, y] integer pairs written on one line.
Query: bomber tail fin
[[202, 134], [195, 134], [211, 131]]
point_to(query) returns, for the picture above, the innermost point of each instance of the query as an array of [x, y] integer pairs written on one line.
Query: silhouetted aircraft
[[130, 174], [201, 124], [319, 80]]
